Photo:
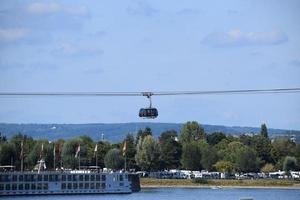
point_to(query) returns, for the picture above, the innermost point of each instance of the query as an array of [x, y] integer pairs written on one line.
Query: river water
[[181, 194]]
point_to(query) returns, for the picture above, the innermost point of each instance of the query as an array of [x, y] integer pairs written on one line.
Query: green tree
[[191, 156], [281, 148], [148, 154], [170, 150], [246, 160], [130, 152], [224, 166], [191, 131], [102, 149], [69, 152], [264, 131], [267, 168], [215, 138], [8, 154], [114, 160], [289, 164]]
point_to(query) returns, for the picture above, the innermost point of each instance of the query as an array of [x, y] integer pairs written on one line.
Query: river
[[181, 194]]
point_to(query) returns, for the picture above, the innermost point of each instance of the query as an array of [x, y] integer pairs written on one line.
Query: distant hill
[[115, 132]]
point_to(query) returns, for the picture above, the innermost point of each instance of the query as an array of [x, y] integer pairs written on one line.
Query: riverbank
[[188, 183]]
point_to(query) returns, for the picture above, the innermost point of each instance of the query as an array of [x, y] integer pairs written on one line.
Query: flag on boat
[[54, 153], [42, 151], [95, 150], [124, 148], [77, 151], [22, 149]]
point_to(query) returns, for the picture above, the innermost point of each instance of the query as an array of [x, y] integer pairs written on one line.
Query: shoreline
[[219, 187]]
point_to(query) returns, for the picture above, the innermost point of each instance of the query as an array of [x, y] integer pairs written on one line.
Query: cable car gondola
[[148, 112]]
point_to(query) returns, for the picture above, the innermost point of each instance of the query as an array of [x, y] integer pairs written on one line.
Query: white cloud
[[239, 38], [12, 34], [142, 8], [52, 8], [69, 50], [44, 8]]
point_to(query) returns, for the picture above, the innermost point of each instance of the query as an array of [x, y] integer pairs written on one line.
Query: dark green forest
[[190, 148]]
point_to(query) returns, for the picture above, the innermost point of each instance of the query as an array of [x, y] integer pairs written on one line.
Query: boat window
[[92, 177], [15, 178], [97, 185], [97, 177], [56, 177], [20, 177], [86, 186], [27, 178], [74, 178], [20, 186], [121, 177], [1, 187], [69, 177], [63, 186], [103, 185], [121, 184], [103, 177], [26, 186], [33, 186], [92, 186], [14, 186], [45, 186], [80, 177], [40, 177], [39, 186], [86, 178], [75, 186], [7, 187], [80, 185], [45, 177], [63, 177], [69, 186]]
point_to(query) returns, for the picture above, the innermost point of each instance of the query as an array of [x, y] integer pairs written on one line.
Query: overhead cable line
[[158, 93]]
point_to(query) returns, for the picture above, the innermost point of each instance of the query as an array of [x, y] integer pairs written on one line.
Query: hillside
[[115, 132]]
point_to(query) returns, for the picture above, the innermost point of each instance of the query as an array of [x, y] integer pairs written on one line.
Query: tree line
[[191, 149]]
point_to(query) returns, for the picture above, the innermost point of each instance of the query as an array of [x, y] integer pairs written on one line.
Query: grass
[[217, 182]]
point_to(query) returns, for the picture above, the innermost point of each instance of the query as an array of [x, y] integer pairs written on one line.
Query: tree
[[215, 138], [224, 166], [264, 131], [246, 160], [148, 154], [281, 148], [191, 156], [102, 149], [289, 164], [69, 152], [7, 153], [114, 160], [170, 150], [191, 131], [130, 151], [267, 168]]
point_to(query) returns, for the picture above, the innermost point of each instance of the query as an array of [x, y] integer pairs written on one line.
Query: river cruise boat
[[67, 182]]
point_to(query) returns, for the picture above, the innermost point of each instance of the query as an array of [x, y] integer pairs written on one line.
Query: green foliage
[[191, 156], [191, 131], [246, 160], [215, 138], [289, 164], [281, 148], [264, 131], [114, 160], [148, 154], [102, 149], [170, 150], [7, 153], [130, 152], [267, 168], [224, 166]]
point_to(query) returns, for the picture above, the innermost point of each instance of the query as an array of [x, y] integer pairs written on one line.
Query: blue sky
[[135, 45]]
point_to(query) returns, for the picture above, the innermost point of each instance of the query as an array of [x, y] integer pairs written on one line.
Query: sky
[[137, 45]]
